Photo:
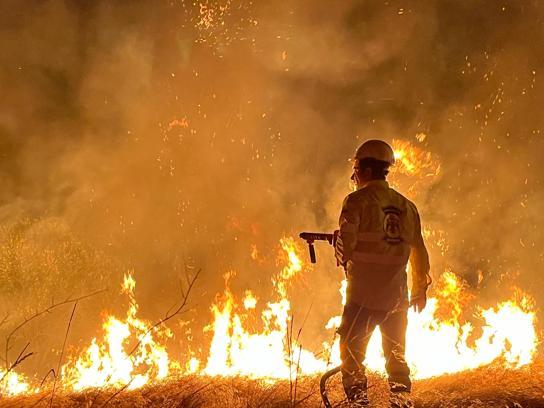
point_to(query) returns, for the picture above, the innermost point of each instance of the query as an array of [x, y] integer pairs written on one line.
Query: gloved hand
[[418, 302]]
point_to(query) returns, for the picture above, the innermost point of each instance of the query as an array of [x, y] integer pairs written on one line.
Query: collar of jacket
[[377, 183]]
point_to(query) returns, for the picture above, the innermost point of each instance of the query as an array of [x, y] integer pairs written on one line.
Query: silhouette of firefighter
[[379, 233]]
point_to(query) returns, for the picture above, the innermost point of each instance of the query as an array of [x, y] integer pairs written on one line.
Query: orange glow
[[412, 160], [13, 384], [237, 349], [508, 332], [110, 363], [252, 337]]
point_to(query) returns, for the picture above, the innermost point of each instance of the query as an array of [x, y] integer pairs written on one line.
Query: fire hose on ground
[[310, 237], [323, 385]]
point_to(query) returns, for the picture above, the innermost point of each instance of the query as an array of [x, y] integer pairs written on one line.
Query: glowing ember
[[254, 252]]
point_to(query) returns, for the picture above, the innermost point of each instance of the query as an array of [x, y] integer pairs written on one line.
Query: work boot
[[399, 396], [359, 399], [401, 400], [355, 385]]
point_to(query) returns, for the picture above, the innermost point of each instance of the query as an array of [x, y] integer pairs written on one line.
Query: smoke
[[166, 137]]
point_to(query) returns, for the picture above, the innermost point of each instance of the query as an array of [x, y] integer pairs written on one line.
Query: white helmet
[[375, 149]]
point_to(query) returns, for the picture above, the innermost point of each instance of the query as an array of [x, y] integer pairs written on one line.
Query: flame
[[504, 333], [507, 333], [111, 363], [193, 365], [412, 160], [439, 340], [270, 353], [291, 269], [250, 301], [13, 384]]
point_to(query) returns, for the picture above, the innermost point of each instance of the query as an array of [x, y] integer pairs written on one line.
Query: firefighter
[[379, 233]]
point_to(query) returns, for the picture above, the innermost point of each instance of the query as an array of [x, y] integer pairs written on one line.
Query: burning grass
[[129, 365], [490, 386], [256, 366]]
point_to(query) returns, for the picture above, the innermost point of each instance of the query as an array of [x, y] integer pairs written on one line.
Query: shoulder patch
[[391, 224]]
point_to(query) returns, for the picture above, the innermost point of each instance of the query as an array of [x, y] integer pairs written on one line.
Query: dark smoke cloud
[[170, 136]]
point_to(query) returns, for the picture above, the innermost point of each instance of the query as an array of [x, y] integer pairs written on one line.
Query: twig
[[299, 353], [47, 375], [191, 395], [20, 358], [41, 384], [182, 294], [116, 393], [42, 312], [169, 315], [296, 372], [311, 393], [290, 351], [267, 396], [40, 400], [62, 353], [332, 344]]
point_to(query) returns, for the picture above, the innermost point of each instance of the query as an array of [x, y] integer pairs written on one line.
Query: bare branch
[[62, 353], [20, 358], [169, 314], [51, 371], [297, 369], [42, 312], [296, 373], [115, 394]]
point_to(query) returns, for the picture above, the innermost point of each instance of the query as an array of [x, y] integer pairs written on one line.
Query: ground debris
[[489, 387]]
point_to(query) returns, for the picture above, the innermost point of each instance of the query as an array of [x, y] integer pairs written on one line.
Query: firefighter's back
[[387, 225]]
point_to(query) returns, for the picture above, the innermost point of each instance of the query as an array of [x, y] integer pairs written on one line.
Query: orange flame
[[504, 333], [237, 350], [112, 362], [13, 384], [412, 160]]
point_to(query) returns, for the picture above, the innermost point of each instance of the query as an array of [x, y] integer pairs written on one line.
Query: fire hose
[[310, 238], [323, 385]]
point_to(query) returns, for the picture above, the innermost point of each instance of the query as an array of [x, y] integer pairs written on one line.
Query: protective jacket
[[380, 231]]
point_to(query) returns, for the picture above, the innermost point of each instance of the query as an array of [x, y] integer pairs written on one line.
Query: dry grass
[[484, 387]]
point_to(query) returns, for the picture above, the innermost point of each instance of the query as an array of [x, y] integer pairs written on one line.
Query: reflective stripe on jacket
[[379, 228]]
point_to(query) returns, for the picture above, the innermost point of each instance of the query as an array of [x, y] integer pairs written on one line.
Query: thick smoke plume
[[168, 136]]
